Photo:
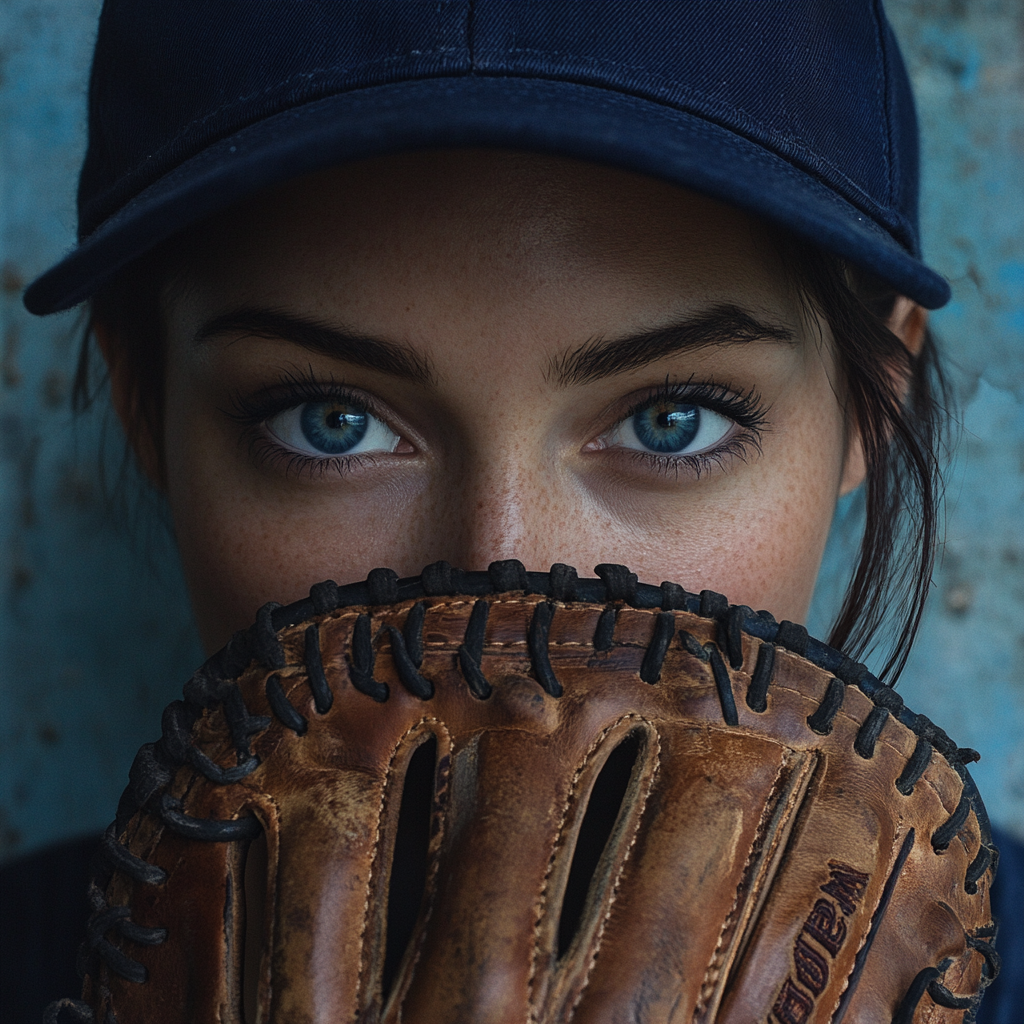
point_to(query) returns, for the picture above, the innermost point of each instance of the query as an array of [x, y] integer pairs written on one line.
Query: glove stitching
[[556, 849], [655, 756], [949, 829], [374, 852], [430, 887], [707, 984], [570, 800]]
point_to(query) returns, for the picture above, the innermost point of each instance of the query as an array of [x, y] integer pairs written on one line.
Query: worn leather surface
[[748, 868]]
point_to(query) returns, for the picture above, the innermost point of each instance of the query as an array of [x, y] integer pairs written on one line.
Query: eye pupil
[[667, 427], [333, 427]]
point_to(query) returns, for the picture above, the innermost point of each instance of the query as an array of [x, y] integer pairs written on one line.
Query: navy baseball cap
[[798, 111]]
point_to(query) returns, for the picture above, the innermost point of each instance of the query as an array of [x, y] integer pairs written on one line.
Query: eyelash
[[292, 389], [745, 408]]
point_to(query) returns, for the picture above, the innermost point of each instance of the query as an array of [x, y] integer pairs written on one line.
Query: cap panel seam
[[886, 99]]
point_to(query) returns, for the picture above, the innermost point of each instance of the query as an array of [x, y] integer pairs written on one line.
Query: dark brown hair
[[897, 401]]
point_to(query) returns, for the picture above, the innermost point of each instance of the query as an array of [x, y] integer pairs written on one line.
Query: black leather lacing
[[927, 980], [723, 684], [122, 859], [537, 644], [266, 648], [976, 869], [73, 1009], [283, 708], [563, 582], [868, 733], [993, 962], [471, 651], [604, 633], [915, 766], [209, 830], [620, 584], [508, 575], [324, 597], [323, 695], [712, 605], [757, 691], [407, 668], [822, 719], [412, 633], [731, 632], [214, 685], [946, 832], [692, 645], [382, 585], [360, 664], [654, 656]]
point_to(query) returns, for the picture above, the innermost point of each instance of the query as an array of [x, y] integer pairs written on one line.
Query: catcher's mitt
[[514, 797]]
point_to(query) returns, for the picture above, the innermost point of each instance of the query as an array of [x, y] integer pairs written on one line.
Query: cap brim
[[564, 118]]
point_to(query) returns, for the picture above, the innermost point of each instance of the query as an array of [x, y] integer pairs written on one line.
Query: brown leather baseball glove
[[528, 797]]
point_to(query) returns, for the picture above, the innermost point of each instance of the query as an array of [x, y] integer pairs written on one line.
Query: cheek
[[767, 548], [757, 534]]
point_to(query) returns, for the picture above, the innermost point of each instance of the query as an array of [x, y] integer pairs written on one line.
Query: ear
[[908, 321], [125, 398]]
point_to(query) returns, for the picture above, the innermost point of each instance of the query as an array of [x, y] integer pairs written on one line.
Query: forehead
[[502, 227]]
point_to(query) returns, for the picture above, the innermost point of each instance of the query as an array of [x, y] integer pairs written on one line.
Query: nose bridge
[[498, 504]]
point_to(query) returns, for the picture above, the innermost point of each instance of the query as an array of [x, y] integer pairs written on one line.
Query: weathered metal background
[[94, 628]]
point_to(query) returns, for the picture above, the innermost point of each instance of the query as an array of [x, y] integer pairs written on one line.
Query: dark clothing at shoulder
[[43, 914], [1004, 1001]]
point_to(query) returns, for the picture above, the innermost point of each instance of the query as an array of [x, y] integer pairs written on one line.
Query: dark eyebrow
[[317, 336], [721, 325]]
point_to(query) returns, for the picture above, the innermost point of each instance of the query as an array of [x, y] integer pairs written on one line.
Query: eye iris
[[333, 427], [667, 427]]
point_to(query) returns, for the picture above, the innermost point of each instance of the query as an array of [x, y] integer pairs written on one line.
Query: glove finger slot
[[255, 886], [716, 822], [602, 811], [473, 965], [410, 857], [596, 837]]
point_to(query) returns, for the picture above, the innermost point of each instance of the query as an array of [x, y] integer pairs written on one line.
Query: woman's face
[[474, 356]]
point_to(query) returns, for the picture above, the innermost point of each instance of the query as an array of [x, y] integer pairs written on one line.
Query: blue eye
[[669, 427], [666, 426], [335, 427]]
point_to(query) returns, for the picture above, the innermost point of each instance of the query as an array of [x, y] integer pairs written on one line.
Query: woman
[[573, 282]]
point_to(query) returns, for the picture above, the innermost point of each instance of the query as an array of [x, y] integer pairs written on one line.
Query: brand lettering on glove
[[826, 926]]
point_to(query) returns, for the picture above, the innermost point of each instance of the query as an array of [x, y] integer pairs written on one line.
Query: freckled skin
[[489, 264]]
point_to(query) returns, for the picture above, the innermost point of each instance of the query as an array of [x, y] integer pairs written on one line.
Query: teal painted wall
[[94, 628]]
